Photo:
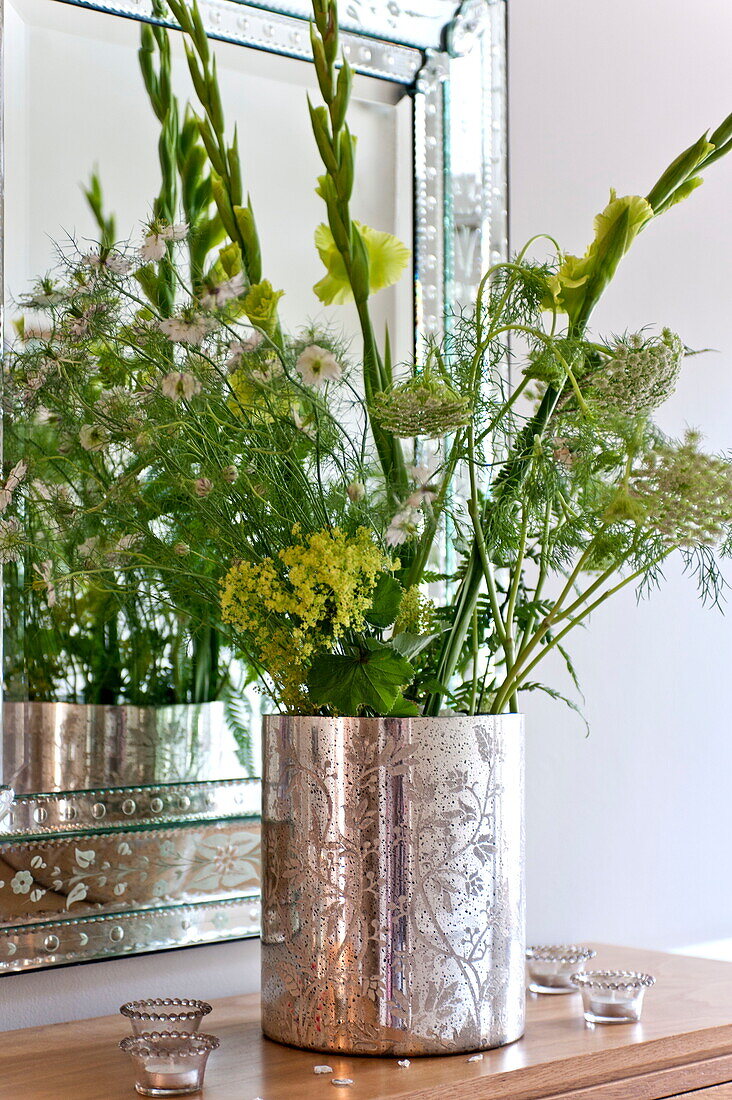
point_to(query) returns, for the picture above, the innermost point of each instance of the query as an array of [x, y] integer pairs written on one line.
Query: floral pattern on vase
[[393, 899]]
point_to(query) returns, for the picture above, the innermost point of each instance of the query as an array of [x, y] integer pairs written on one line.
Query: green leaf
[[373, 677], [404, 708], [387, 598], [410, 645]]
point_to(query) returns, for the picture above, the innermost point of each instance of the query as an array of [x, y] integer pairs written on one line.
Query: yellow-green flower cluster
[[415, 613], [317, 590]]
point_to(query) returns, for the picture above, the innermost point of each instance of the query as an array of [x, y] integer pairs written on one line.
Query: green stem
[[518, 676]]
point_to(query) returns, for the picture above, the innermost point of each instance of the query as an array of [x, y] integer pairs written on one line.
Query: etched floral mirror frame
[[196, 839]]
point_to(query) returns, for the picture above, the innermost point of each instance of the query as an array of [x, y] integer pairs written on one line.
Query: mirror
[[133, 751]]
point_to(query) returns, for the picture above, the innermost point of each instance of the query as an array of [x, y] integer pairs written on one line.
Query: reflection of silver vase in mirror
[[69, 746], [393, 896]]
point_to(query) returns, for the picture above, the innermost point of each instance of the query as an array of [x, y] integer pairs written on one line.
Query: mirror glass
[[135, 773]]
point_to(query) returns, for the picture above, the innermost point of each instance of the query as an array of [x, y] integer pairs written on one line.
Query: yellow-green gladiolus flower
[[580, 280], [388, 258], [260, 305]]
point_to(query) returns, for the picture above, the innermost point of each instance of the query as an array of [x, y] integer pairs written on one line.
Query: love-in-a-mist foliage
[[297, 495]]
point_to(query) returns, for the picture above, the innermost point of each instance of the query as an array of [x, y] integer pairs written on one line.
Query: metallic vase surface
[[393, 894], [79, 746]]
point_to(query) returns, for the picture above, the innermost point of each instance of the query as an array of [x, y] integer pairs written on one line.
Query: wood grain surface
[[683, 1043]]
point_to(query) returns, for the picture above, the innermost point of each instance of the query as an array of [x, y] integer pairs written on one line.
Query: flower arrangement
[[195, 464]]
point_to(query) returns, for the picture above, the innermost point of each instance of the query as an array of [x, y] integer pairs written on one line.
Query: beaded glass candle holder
[[169, 1063], [551, 967], [165, 1014], [612, 996]]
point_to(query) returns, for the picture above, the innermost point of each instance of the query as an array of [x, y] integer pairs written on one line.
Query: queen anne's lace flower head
[[640, 373], [421, 407], [686, 494]]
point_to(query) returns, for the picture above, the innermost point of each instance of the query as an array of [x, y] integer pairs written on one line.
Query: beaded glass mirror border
[[175, 862]]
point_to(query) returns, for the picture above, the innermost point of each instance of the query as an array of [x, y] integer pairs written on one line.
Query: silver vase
[[393, 893]]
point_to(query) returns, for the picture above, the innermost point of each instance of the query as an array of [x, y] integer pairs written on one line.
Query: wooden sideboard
[[682, 1047]]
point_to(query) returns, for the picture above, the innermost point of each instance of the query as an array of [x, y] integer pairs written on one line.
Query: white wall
[[628, 831]]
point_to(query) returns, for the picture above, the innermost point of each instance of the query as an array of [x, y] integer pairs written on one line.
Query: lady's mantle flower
[[404, 525], [11, 540], [216, 296], [180, 384], [639, 375], [304, 602], [186, 330], [93, 437], [15, 477], [316, 366], [686, 494], [421, 406], [153, 247]]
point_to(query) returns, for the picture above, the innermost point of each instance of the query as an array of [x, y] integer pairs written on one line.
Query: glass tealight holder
[[612, 996], [551, 967], [169, 1063], [165, 1014]]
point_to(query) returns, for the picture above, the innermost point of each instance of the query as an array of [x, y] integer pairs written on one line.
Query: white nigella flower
[[356, 491], [181, 548], [153, 247], [405, 525], [11, 540], [87, 549], [45, 295], [92, 437], [180, 384], [44, 415], [44, 572], [237, 348], [270, 369], [425, 491], [117, 263], [217, 296], [15, 477], [316, 366], [302, 424], [79, 326], [182, 330], [202, 486], [230, 474], [33, 331]]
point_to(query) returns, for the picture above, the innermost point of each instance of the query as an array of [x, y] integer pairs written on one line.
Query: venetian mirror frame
[[451, 59]]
